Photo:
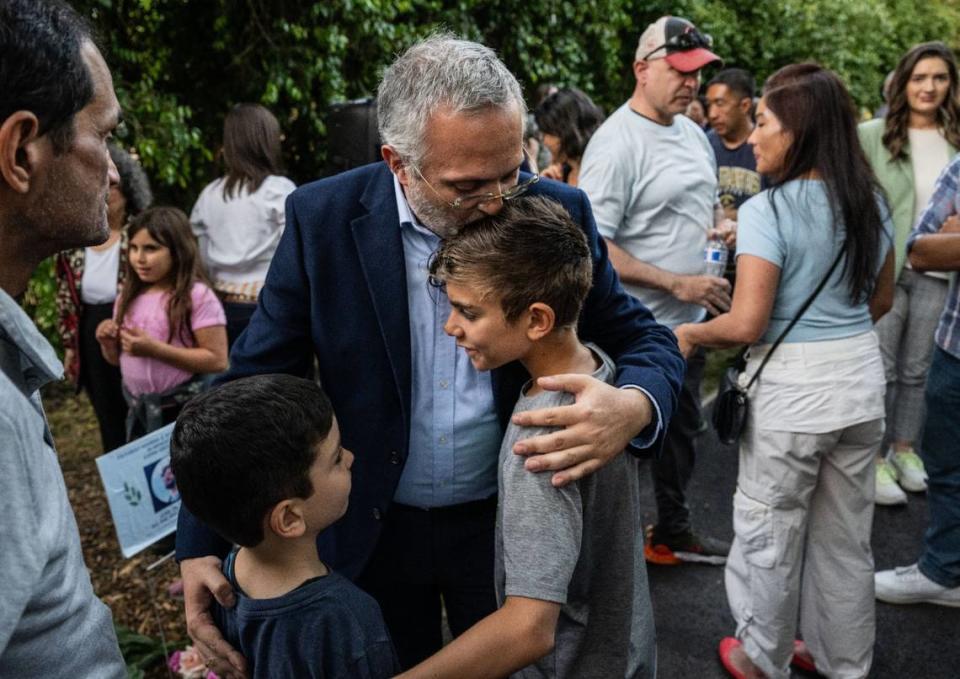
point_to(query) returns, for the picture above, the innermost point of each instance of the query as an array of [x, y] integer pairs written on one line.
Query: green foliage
[[139, 652], [179, 65], [40, 301]]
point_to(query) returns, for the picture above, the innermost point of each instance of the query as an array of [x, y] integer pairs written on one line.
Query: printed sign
[[141, 490]]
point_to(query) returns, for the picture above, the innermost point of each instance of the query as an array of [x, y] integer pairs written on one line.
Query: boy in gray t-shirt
[[570, 574]]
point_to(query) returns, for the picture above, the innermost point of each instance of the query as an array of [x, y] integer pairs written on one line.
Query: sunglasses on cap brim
[[690, 39]]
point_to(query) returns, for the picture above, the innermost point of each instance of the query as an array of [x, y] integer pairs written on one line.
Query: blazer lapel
[[380, 249]]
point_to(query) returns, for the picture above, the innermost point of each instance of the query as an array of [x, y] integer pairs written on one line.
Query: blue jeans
[[940, 451]]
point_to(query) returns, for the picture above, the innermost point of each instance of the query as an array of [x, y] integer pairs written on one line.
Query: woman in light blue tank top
[[803, 508]]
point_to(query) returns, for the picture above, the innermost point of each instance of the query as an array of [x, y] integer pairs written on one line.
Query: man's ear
[[286, 519], [395, 163], [19, 150], [640, 70], [745, 105], [541, 321]]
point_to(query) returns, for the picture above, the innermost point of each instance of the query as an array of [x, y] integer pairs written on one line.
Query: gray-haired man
[[56, 112], [349, 285]]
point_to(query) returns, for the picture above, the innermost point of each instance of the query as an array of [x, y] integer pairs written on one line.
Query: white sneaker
[[913, 476], [887, 490], [907, 585]]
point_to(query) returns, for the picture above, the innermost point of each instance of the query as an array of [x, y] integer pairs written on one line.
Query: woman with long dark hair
[[567, 119], [908, 149], [804, 502], [239, 217]]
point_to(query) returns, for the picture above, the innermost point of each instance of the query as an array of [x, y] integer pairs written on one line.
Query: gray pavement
[[690, 604]]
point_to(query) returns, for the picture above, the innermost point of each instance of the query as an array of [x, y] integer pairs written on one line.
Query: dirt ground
[[138, 598]]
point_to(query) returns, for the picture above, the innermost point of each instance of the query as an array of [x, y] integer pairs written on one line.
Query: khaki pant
[[802, 517]]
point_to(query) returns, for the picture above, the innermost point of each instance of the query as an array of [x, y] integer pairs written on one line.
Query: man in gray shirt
[[57, 111], [650, 174]]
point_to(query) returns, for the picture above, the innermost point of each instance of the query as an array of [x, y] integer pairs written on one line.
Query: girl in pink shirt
[[168, 326]]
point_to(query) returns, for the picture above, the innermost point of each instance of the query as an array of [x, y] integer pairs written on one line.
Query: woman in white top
[[803, 508], [907, 150], [239, 217], [87, 283]]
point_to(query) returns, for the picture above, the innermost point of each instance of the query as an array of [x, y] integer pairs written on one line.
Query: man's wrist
[[673, 283], [649, 412]]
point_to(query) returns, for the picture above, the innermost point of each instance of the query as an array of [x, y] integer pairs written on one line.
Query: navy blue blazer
[[336, 289]]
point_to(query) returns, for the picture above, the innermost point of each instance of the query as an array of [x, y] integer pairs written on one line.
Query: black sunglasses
[[682, 42]]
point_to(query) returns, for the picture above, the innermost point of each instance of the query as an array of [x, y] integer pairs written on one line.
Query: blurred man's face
[[666, 90], [70, 206], [728, 113]]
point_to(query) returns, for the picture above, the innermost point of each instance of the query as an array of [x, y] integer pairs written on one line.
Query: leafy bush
[[179, 65], [140, 652], [40, 301]]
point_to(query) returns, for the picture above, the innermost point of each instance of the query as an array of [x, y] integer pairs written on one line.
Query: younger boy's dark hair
[[531, 251], [241, 448]]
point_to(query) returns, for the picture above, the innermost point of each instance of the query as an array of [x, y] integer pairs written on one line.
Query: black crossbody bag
[[730, 406]]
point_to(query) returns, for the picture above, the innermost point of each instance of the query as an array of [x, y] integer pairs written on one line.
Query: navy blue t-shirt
[[737, 177], [327, 627]]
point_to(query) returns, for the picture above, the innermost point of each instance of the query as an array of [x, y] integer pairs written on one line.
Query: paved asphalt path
[[690, 604]]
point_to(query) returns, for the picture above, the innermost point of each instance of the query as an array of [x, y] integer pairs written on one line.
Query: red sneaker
[[727, 644], [802, 659]]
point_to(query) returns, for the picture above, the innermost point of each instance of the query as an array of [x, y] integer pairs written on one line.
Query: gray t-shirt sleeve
[[22, 558], [542, 525], [606, 177]]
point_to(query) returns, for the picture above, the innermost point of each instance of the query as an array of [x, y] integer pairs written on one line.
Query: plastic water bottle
[[715, 257]]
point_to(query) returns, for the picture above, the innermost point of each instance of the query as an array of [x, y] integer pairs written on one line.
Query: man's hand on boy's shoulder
[[597, 427], [202, 582]]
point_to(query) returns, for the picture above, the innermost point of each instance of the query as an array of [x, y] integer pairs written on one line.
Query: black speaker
[[352, 137]]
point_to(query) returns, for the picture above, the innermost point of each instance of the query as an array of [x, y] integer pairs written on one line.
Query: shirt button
[[376, 513], [394, 457], [443, 439]]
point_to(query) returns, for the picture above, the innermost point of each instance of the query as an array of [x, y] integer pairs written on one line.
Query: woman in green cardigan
[[908, 149]]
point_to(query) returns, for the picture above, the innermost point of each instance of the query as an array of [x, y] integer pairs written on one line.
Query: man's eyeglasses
[[474, 200], [682, 42]]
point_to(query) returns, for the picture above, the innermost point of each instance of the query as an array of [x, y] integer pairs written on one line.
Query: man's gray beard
[[442, 220]]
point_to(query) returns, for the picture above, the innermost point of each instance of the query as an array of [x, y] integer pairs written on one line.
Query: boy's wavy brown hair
[[531, 251]]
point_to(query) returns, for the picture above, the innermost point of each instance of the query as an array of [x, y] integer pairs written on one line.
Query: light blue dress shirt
[[454, 431]]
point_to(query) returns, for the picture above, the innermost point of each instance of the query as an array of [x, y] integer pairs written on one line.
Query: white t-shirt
[[929, 154], [239, 236], [653, 189], [100, 273]]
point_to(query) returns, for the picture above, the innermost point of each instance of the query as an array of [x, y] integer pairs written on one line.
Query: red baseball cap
[[679, 42]]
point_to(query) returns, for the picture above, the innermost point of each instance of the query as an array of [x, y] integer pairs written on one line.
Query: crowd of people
[[447, 371]]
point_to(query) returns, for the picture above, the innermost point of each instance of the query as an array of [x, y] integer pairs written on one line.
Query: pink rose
[[189, 664]]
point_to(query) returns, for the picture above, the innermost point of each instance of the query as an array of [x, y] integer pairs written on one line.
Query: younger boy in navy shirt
[[260, 461]]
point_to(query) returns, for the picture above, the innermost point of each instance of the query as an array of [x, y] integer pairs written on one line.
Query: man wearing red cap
[[651, 178]]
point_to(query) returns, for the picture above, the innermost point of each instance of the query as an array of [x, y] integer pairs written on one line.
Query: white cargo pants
[[803, 512]]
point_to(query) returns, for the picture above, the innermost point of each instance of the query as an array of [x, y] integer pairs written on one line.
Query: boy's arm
[[541, 529], [519, 633]]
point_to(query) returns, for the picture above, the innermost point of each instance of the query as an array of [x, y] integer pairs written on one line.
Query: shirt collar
[[406, 214], [38, 361]]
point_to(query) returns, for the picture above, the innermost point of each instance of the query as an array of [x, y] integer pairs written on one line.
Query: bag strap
[[803, 309]]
